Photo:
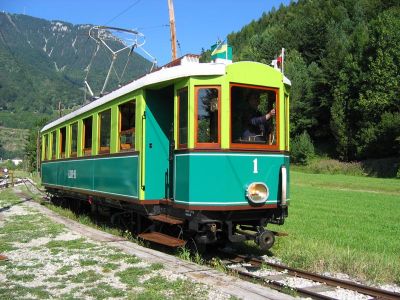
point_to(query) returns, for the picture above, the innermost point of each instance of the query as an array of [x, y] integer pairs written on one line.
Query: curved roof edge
[[285, 80], [166, 74]]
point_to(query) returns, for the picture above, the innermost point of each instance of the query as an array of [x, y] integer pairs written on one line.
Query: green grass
[[83, 219], [109, 267], [77, 244], [131, 275], [17, 291], [342, 223], [87, 262], [338, 181], [23, 278], [64, 270], [105, 291], [17, 228], [85, 277], [161, 288]]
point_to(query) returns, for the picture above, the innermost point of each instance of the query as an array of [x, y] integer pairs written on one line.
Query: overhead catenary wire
[[122, 12]]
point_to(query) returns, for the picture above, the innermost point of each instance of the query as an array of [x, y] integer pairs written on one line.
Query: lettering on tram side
[[72, 174]]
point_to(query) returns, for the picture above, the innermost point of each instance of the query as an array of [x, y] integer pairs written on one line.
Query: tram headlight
[[257, 192]]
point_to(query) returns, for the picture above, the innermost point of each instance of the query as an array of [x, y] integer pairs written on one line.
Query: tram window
[[87, 136], [183, 118], [62, 142], [207, 107], [45, 156], [105, 131], [53, 144], [74, 139], [127, 126], [253, 116]]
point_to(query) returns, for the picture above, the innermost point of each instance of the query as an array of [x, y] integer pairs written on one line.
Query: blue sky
[[198, 23]]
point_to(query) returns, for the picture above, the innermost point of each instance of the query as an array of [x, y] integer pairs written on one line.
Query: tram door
[[158, 143]]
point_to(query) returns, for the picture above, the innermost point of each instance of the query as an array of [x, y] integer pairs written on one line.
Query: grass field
[[340, 223]]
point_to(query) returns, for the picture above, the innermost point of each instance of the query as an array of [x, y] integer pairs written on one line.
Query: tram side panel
[[109, 175], [222, 179]]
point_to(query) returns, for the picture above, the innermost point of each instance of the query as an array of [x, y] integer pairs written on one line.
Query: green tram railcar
[[175, 148]]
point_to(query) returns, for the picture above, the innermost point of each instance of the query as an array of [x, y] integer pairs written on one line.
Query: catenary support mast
[[172, 28]]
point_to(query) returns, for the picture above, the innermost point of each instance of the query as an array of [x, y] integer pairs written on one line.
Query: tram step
[[160, 238], [167, 219]]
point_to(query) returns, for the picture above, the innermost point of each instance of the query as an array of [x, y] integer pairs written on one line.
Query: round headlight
[[257, 192]]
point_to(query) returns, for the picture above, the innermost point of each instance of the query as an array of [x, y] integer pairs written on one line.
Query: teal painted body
[[109, 175], [218, 179], [159, 120]]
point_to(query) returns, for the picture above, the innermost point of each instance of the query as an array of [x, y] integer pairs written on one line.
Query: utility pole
[[38, 156], [172, 28], [59, 109]]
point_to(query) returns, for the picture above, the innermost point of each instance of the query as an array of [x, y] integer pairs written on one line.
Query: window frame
[[53, 145], [63, 141], [85, 150], [73, 153], [182, 146], [104, 149], [200, 145], [131, 129], [46, 147], [249, 146]]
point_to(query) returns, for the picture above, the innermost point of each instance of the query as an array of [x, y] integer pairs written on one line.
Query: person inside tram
[[258, 125]]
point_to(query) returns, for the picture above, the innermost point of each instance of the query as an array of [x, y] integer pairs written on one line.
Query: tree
[[2, 151], [379, 102], [32, 145]]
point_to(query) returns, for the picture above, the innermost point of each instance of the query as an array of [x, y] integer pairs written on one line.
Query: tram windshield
[[253, 118]]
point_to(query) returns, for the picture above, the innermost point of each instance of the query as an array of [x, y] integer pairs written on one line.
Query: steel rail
[[281, 286], [330, 281]]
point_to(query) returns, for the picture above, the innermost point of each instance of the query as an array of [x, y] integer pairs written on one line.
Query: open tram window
[[207, 116], [53, 144], [74, 140], [87, 135], [62, 142], [183, 118], [127, 126], [254, 117], [105, 131]]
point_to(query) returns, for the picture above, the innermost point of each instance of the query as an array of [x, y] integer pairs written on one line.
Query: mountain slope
[[43, 62]]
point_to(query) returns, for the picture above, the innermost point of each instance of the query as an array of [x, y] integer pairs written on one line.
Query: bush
[[302, 150], [331, 166]]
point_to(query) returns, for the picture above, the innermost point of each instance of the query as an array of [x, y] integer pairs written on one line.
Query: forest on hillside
[[343, 58]]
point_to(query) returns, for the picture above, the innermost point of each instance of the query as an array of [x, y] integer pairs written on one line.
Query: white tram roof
[[189, 66]]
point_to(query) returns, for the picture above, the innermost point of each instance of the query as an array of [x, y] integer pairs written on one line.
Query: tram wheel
[[265, 240]]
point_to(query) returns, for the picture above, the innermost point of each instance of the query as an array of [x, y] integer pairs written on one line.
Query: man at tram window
[[258, 126]]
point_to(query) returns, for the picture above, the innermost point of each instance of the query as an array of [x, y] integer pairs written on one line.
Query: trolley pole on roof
[[172, 28]]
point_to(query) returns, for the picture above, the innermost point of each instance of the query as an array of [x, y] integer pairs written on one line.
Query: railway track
[[310, 285]]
